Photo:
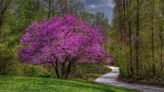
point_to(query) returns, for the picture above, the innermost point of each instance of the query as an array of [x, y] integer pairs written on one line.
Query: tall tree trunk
[[161, 33], [4, 4], [131, 49], [1, 19], [123, 9], [119, 10], [152, 38], [49, 8], [137, 42], [161, 47], [62, 6]]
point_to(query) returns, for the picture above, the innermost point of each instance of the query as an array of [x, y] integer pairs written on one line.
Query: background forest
[[136, 33], [138, 39]]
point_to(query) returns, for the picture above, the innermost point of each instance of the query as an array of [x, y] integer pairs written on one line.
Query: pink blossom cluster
[[62, 37]]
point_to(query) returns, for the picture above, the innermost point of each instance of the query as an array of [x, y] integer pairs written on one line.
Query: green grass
[[33, 84]]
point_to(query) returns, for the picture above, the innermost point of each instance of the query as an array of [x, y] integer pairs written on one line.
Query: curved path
[[110, 79]]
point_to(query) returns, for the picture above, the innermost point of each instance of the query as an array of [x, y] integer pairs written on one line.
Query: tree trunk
[[137, 42], [1, 19], [68, 70], [49, 8], [131, 49], [161, 47], [152, 38], [56, 67], [120, 21]]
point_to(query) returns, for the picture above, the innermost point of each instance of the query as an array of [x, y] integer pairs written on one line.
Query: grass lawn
[[33, 84]]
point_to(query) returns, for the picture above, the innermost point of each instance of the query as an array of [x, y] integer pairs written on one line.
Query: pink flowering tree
[[62, 42]]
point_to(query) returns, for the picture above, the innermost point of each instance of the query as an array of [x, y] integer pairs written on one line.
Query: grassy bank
[[33, 84]]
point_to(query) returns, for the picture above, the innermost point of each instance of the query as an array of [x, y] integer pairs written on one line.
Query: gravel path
[[110, 79]]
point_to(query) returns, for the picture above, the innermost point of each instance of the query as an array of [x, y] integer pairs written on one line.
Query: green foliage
[[91, 71], [8, 62], [17, 17], [145, 62], [37, 71]]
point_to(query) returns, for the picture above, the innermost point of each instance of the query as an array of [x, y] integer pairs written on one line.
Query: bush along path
[[110, 79]]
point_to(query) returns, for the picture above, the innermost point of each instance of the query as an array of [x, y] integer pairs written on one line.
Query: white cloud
[[105, 3], [110, 5], [105, 6], [93, 6]]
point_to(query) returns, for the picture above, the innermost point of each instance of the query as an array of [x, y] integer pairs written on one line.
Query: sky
[[105, 6]]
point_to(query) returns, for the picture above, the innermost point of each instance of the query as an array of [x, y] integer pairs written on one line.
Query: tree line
[[138, 41]]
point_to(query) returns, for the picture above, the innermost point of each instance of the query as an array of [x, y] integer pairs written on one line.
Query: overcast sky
[[105, 6]]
